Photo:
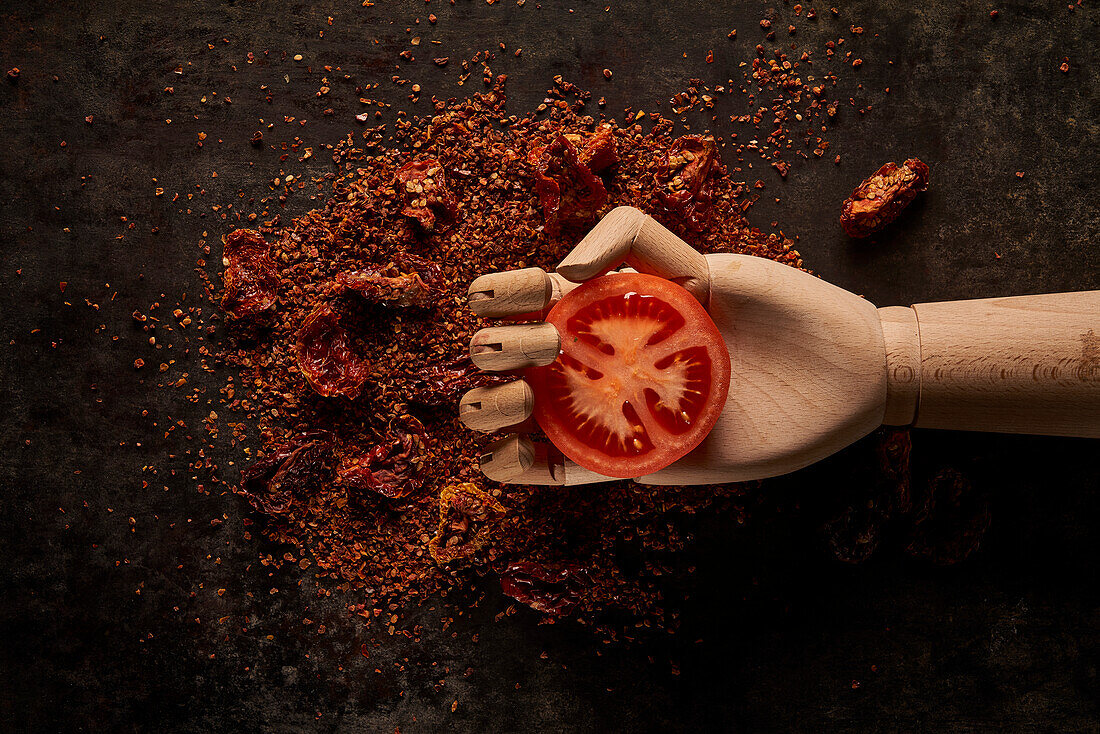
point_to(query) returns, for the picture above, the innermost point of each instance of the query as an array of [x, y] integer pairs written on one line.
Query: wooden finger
[[516, 459], [513, 347], [489, 409], [629, 235], [657, 251], [511, 293], [605, 246]]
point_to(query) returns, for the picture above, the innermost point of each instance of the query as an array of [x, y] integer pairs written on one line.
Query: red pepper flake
[[139, 363], [13, 73], [607, 73], [1064, 68], [441, 61]]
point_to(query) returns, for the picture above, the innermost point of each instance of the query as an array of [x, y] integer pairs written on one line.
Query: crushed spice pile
[[349, 330]]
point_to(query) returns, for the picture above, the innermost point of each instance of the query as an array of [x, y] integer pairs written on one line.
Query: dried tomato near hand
[[597, 151], [894, 448], [273, 484], [408, 281], [426, 194], [441, 383], [393, 469], [554, 590], [880, 199], [325, 355], [568, 190], [952, 520], [466, 514], [684, 178], [250, 278]]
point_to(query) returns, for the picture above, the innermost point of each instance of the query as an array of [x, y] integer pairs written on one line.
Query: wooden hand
[[814, 367]]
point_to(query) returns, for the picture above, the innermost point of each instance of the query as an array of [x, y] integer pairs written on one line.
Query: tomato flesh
[[641, 378]]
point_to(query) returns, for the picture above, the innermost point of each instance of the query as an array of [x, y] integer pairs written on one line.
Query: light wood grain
[[511, 293], [902, 342], [1024, 364], [808, 373], [489, 409], [658, 251], [628, 235], [507, 458], [605, 247], [514, 347], [515, 459]]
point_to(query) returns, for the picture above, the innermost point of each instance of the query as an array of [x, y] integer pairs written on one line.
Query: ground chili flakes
[[369, 512]]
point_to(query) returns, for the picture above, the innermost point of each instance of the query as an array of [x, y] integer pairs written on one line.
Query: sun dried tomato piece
[[597, 151], [275, 482], [408, 281], [554, 590], [466, 514], [325, 355], [443, 382], [393, 469], [568, 190], [952, 520], [684, 178], [880, 199], [250, 278], [426, 192], [894, 449]]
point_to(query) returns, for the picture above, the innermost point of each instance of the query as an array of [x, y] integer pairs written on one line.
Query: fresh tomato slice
[[641, 378]]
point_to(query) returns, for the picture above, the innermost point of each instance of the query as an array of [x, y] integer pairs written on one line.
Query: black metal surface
[[104, 628]]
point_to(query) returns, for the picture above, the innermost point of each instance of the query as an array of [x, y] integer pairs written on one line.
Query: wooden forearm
[[1026, 364]]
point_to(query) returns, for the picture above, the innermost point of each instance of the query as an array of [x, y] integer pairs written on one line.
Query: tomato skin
[[641, 379]]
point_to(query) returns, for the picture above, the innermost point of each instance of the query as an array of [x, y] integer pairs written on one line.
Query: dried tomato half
[[684, 178], [554, 590], [441, 383], [273, 484], [408, 281], [325, 355], [880, 199], [426, 194], [952, 520], [597, 151], [466, 514], [568, 190], [393, 469], [250, 278]]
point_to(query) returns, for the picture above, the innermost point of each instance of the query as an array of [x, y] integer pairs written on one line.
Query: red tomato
[[641, 379]]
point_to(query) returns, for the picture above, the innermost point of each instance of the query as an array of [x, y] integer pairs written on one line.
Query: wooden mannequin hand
[[814, 367]]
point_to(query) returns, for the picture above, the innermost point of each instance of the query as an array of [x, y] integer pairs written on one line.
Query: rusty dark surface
[[99, 630]]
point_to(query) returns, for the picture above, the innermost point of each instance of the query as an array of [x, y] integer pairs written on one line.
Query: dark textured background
[[776, 635]]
